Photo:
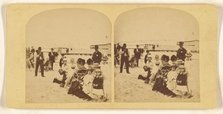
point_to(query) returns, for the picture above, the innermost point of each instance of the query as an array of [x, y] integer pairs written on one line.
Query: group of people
[[122, 57], [168, 78], [167, 75], [84, 82], [35, 59]]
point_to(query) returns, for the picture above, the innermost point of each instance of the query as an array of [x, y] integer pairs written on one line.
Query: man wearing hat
[[181, 52], [51, 58], [97, 56], [137, 55], [39, 62]]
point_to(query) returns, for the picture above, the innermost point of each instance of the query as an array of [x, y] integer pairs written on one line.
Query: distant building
[[192, 45]]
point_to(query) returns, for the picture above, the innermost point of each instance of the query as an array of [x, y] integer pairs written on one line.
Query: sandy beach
[[130, 89], [43, 90]]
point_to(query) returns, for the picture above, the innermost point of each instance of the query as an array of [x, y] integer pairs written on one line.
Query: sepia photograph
[[111, 56], [156, 56], [68, 57]]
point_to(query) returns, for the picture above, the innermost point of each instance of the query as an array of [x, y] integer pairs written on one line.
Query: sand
[[130, 89], [43, 90]]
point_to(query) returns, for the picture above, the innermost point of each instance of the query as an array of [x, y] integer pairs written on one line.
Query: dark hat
[[147, 51], [165, 58], [89, 61], [181, 43], [39, 48], [173, 58], [96, 46]]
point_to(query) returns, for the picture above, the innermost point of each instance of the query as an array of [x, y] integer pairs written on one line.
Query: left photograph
[[68, 57]]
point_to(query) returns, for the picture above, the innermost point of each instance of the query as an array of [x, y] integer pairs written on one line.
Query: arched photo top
[[70, 27], [155, 24]]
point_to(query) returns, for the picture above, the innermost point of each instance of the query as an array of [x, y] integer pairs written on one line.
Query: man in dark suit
[[137, 54], [124, 59], [97, 56], [51, 58], [181, 52], [39, 62]]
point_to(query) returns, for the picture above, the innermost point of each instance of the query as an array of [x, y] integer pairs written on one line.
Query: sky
[[74, 28], [155, 25]]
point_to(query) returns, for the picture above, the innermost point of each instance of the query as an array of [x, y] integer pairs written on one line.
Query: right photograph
[[156, 56]]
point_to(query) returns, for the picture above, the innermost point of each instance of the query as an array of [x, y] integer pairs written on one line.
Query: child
[[64, 72], [157, 60], [173, 60], [98, 85], [147, 68], [72, 63], [171, 78], [182, 82]]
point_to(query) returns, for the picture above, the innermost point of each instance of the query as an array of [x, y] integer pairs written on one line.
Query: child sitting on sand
[[98, 88], [182, 83], [147, 68], [171, 78], [155, 69], [64, 72]]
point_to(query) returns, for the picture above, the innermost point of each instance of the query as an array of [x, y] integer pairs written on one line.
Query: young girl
[[98, 85], [182, 83], [171, 78], [88, 79], [161, 78]]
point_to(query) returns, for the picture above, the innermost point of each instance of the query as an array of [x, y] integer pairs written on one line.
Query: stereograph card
[[153, 56]]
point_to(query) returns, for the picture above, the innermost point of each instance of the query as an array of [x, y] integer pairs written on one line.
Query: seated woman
[[88, 78], [161, 78], [75, 82]]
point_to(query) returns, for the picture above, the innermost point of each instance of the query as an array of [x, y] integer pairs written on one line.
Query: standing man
[[97, 56], [124, 59], [39, 62], [137, 54], [181, 52], [51, 58]]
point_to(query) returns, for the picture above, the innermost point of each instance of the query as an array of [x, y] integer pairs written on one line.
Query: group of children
[[168, 78], [86, 83]]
